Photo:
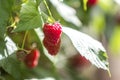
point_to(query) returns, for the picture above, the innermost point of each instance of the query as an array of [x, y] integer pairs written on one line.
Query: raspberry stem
[[85, 4], [51, 19], [24, 39]]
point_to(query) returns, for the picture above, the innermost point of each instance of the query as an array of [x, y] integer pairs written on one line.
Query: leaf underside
[[88, 47]]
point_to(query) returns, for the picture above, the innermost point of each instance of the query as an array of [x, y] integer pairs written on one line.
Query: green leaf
[[2, 47], [12, 66], [5, 12], [29, 16], [19, 71], [38, 2], [69, 13], [44, 16], [88, 47]]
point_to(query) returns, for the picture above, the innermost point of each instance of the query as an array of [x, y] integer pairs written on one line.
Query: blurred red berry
[[31, 59], [79, 61], [92, 2]]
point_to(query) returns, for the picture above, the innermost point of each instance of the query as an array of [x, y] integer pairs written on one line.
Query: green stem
[[24, 39], [50, 19], [48, 8], [85, 4]]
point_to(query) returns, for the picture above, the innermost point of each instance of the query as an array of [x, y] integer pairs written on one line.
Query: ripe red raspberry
[[52, 39], [52, 32], [52, 49], [92, 2], [31, 59]]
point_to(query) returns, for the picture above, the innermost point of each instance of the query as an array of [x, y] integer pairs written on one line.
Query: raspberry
[[52, 39], [52, 49], [79, 61], [52, 32], [91, 2], [31, 59]]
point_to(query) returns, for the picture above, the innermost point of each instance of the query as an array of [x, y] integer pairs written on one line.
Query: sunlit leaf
[[117, 1], [88, 47], [10, 47], [69, 13]]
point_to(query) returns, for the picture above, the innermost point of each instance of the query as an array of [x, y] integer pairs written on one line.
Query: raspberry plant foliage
[[29, 17]]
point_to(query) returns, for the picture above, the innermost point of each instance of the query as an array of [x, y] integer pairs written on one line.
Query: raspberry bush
[[40, 38]]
